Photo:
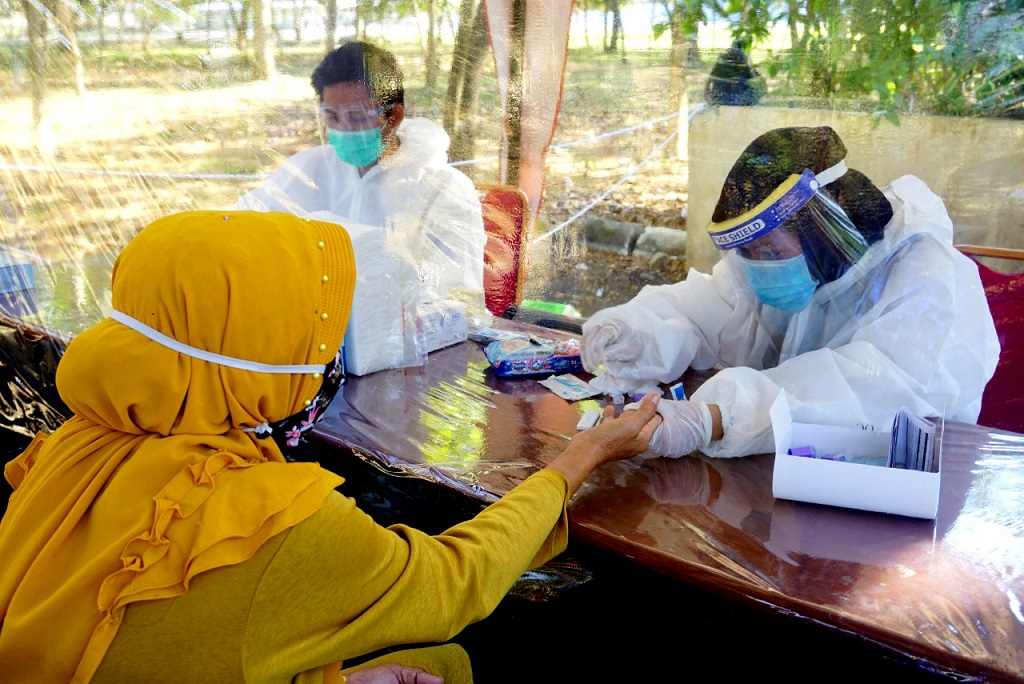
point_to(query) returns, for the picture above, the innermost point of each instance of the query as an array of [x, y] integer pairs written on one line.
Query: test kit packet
[[569, 387]]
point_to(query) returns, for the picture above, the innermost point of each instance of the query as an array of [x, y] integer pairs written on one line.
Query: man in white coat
[[381, 169], [851, 300]]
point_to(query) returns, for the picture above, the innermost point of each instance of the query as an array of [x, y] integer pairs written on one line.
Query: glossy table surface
[[947, 593]]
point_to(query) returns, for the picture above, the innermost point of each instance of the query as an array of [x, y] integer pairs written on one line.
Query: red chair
[[506, 212], [1002, 404]]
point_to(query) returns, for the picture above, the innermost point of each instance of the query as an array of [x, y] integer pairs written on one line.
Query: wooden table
[[947, 593]]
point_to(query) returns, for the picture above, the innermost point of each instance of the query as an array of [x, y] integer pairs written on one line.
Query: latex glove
[[609, 343], [605, 383], [686, 427]]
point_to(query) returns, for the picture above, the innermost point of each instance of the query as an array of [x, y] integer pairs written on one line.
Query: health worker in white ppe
[[851, 300], [380, 168]]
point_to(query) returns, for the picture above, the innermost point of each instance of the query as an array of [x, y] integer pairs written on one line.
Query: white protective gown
[[907, 326], [431, 210]]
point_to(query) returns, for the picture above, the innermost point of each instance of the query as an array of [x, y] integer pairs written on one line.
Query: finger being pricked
[[629, 433], [645, 408]]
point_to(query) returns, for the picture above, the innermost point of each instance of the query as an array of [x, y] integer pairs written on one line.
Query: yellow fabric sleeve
[[341, 586]]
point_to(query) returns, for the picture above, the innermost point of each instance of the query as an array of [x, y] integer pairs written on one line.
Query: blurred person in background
[[383, 169], [734, 81]]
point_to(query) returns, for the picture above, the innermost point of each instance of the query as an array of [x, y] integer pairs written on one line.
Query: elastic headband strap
[[202, 354], [832, 173]]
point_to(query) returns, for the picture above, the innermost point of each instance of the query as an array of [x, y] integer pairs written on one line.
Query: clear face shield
[[797, 239]]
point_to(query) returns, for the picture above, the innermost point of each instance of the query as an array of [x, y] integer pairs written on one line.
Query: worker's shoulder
[[318, 155]]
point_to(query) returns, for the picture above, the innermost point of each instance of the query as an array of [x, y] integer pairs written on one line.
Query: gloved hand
[[609, 341], [686, 427], [631, 349]]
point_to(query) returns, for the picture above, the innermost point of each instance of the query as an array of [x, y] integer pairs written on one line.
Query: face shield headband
[[803, 209]]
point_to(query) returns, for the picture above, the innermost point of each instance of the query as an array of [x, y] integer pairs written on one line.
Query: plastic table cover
[[946, 593]]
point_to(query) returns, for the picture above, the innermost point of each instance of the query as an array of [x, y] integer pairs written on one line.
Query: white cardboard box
[[850, 485], [441, 324]]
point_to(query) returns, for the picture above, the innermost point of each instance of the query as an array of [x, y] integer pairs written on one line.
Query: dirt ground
[[563, 269], [596, 279]]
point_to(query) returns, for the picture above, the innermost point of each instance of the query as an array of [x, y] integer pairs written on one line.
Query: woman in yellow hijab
[[161, 535]]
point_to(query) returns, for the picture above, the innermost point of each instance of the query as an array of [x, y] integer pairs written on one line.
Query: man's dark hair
[[366, 63]]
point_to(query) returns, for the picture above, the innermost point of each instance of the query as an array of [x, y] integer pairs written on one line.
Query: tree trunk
[[299, 15], [604, 25], [241, 25], [677, 93], [36, 24], [263, 66], [514, 106], [618, 33], [692, 48], [330, 24], [357, 15], [65, 22], [121, 10], [101, 12], [419, 26], [432, 62], [794, 23], [677, 57], [461, 99], [612, 11], [586, 34], [465, 134], [147, 36], [460, 62]]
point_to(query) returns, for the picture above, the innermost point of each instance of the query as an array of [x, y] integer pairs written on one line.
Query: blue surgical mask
[[785, 284], [359, 148]]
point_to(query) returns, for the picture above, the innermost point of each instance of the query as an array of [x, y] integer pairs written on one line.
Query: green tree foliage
[[959, 57], [980, 69]]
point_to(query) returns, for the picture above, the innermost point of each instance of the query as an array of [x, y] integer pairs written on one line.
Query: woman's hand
[[392, 674], [612, 439]]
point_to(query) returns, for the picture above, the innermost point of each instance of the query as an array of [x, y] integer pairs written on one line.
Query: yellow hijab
[[153, 480]]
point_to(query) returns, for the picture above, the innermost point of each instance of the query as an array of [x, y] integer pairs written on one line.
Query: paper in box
[[850, 485], [437, 324]]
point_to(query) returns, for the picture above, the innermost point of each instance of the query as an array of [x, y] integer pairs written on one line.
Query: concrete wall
[[975, 165]]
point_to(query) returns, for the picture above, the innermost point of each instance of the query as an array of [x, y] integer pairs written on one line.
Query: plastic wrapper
[[37, 322], [945, 593], [534, 355]]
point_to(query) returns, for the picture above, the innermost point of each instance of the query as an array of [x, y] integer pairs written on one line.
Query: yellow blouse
[[337, 586]]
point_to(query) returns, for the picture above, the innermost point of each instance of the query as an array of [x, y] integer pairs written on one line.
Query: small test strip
[[678, 392], [591, 418]]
